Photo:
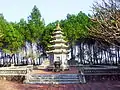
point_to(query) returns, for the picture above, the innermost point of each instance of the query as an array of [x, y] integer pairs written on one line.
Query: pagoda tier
[[57, 36], [57, 32], [57, 51], [60, 46], [58, 41], [53, 48]]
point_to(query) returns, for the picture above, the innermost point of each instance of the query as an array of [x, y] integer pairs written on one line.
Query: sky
[[51, 10]]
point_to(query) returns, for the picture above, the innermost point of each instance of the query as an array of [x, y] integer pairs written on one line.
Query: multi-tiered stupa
[[58, 48]]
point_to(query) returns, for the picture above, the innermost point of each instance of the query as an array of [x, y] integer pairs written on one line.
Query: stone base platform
[[50, 68], [72, 70]]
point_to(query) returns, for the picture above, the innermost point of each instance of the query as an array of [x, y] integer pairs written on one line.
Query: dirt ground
[[113, 85]]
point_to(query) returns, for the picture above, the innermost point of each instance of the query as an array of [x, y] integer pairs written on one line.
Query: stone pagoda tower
[[58, 49]]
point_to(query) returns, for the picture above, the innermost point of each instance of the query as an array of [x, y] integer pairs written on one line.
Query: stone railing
[[13, 72], [101, 71]]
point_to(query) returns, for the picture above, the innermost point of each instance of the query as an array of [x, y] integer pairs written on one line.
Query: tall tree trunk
[[118, 56], [83, 51], [71, 47], [80, 54], [31, 52], [25, 50]]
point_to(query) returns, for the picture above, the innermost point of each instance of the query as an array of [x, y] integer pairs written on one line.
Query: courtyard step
[[53, 79]]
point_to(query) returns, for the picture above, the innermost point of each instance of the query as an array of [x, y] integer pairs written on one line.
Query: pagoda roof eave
[[59, 48], [58, 33], [53, 46], [58, 41]]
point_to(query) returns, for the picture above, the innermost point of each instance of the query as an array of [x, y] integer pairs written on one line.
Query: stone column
[[27, 76]]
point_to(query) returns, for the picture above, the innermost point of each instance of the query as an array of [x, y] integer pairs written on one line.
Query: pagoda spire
[[58, 27]]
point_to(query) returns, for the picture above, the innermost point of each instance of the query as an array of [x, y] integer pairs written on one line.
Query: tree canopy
[[75, 26], [35, 25], [107, 17], [12, 39], [103, 25]]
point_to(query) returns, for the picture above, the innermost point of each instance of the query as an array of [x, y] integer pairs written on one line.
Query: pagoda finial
[[58, 26]]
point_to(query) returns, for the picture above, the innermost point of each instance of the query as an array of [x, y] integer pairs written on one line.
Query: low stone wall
[[100, 73], [102, 78], [13, 78], [14, 73]]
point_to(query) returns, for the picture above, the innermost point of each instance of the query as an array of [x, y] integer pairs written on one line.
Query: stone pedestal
[[27, 76]]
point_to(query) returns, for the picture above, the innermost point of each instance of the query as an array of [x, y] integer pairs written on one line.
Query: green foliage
[[11, 40], [2, 27], [75, 26], [14, 35], [35, 25], [46, 35], [22, 28]]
